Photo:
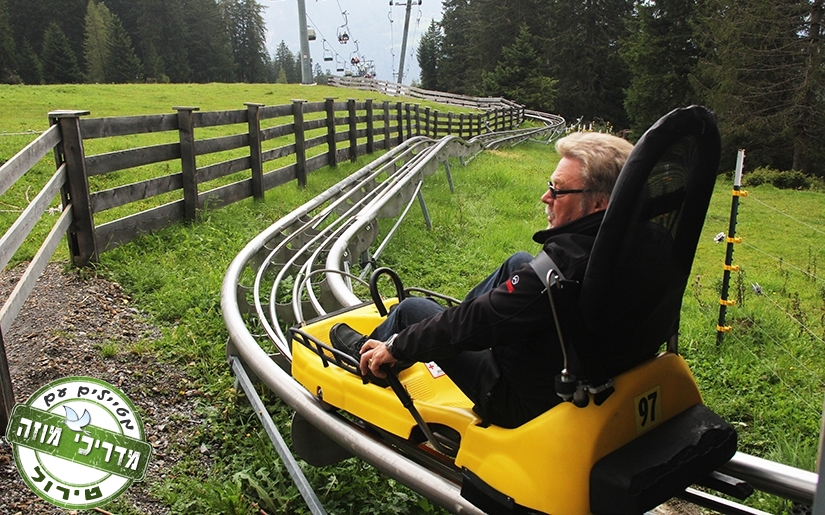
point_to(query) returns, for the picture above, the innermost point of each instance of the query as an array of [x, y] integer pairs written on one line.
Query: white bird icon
[[74, 422]]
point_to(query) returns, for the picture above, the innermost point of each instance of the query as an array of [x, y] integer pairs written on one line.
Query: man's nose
[[547, 198]]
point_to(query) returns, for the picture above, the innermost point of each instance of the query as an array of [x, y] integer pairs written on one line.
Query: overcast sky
[[368, 23]]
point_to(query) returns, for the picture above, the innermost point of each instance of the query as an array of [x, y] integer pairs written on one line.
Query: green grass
[[767, 377]]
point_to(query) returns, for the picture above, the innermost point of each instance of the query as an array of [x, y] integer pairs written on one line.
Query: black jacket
[[515, 321]]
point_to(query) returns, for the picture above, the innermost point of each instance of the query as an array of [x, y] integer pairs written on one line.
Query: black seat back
[[632, 291]]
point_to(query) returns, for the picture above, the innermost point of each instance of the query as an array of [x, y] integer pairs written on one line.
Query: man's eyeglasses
[[556, 193]]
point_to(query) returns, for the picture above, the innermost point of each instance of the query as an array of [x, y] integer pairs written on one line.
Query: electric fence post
[[731, 239]]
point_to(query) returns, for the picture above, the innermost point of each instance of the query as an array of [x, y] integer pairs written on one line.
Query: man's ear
[[600, 203]]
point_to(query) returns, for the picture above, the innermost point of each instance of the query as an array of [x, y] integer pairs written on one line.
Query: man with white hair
[[500, 346]]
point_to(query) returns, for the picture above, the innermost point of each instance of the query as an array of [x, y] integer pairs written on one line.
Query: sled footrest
[[661, 463]]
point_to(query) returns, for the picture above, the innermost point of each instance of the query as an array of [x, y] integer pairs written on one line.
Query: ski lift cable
[[392, 42]]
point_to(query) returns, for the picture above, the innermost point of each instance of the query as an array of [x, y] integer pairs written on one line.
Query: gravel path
[[66, 322]]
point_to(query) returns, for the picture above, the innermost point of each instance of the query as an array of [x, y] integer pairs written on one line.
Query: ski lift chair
[[339, 65], [343, 34]]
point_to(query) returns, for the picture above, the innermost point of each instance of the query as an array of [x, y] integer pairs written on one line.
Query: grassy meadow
[[767, 377]]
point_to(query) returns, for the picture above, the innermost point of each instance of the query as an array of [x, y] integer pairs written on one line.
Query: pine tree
[[661, 54], [761, 71], [429, 56], [153, 65], [457, 74], [285, 62], [208, 46], [29, 65], [96, 43], [59, 61], [163, 28], [247, 34], [318, 75], [581, 47], [8, 53], [123, 65], [517, 76]]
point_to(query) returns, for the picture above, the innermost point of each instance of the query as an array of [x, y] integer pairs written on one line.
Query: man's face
[[570, 206]]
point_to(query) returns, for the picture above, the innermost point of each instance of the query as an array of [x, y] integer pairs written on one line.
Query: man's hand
[[374, 353]]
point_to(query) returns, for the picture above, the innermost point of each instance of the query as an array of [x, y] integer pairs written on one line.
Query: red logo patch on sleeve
[[511, 284]]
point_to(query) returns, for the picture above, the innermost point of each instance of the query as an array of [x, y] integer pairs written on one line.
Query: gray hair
[[603, 156]]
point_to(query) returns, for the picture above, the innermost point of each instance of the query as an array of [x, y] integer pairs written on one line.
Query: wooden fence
[[315, 134], [352, 128]]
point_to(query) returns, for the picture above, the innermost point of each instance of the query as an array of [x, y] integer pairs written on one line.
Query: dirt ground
[[60, 332]]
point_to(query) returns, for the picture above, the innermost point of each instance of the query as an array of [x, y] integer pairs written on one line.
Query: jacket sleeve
[[481, 323], [518, 308]]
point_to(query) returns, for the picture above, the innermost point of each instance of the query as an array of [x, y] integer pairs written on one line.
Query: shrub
[[790, 179]]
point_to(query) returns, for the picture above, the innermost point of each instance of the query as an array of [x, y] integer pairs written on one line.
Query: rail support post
[[189, 170], [81, 235], [255, 155]]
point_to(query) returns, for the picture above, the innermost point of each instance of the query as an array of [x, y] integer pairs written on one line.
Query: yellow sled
[[637, 434]]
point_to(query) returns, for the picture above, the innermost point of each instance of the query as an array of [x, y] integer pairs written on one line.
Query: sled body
[[545, 464]]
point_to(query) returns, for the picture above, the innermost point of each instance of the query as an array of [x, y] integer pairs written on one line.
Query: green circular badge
[[78, 442]]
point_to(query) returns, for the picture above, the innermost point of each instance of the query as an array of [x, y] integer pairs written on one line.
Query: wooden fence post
[[186, 134], [478, 124], [460, 125], [353, 130], [256, 159], [386, 124], [435, 124], [427, 125], [495, 119], [6, 391], [399, 118], [409, 121], [329, 104], [370, 128], [81, 235], [300, 139], [449, 123], [417, 120]]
